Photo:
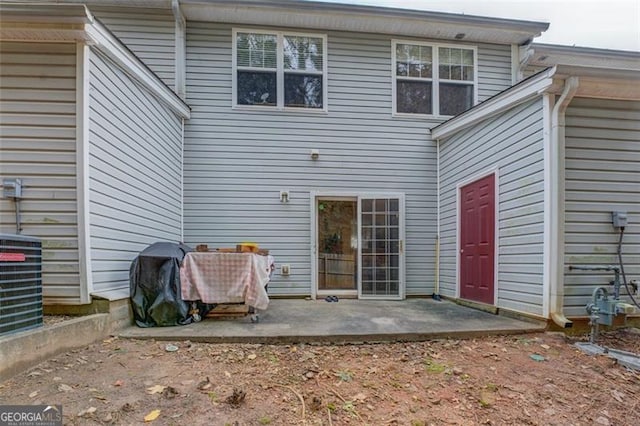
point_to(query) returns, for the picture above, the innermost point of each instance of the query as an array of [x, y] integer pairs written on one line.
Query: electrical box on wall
[[12, 188], [619, 219], [285, 270]]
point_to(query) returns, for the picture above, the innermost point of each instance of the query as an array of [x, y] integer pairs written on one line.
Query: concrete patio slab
[[346, 321]]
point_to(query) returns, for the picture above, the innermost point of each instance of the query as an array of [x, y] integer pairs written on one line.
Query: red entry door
[[477, 240]]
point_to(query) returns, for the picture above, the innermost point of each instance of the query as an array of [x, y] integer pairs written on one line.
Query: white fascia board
[[513, 96], [43, 22], [45, 13], [367, 19], [108, 44]]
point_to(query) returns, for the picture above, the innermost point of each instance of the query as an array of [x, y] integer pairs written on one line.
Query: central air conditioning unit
[[20, 283]]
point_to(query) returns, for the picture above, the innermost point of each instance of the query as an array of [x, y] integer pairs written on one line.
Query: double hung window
[[431, 79], [281, 70]]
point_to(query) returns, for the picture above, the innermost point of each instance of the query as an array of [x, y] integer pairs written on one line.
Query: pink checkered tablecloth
[[226, 278]]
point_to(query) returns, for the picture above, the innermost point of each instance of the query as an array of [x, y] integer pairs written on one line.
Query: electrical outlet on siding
[[285, 270]]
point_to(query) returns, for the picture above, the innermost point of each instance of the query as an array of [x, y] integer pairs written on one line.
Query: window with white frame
[[433, 79], [280, 70]]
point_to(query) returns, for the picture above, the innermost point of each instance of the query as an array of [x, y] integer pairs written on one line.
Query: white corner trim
[[182, 180], [550, 239], [180, 50], [513, 96], [82, 171], [515, 64], [107, 43], [436, 286]]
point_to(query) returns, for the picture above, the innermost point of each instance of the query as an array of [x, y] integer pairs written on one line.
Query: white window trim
[[435, 77], [280, 71]]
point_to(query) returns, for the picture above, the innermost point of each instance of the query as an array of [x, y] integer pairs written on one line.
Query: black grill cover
[[154, 284]]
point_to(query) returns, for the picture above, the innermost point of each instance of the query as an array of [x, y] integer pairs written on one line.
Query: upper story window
[[279, 70], [432, 79]]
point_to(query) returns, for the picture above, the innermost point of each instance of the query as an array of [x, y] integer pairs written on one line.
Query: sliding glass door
[[359, 246]]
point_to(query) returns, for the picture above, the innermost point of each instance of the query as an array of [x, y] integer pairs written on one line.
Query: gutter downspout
[[556, 285], [180, 50]]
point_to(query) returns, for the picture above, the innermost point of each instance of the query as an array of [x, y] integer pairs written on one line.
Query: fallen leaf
[[316, 404], [617, 395], [152, 416], [170, 392], [204, 385], [545, 347], [87, 412], [155, 389], [360, 397], [252, 356], [236, 398], [64, 388], [33, 394]]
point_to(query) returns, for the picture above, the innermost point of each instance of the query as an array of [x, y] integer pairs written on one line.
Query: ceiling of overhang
[[547, 56]]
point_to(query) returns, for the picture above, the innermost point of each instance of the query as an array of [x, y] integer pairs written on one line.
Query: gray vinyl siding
[[237, 161], [149, 33], [135, 174], [512, 142], [494, 70], [38, 144], [602, 170]]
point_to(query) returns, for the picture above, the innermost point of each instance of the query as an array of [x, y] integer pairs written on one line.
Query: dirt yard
[[534, 379]]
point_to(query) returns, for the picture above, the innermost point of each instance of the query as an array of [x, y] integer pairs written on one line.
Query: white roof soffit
[[368, 19], [547, 55], [602, 83], [44, 22]]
